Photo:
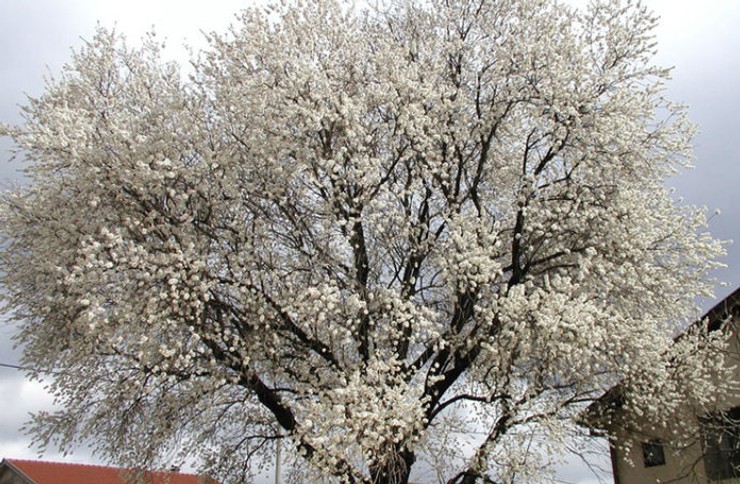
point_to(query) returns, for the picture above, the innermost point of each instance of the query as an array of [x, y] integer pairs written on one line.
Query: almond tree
[[358, 232]]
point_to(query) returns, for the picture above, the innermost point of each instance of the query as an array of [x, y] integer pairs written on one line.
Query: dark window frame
[[721, 444], [653, 453]]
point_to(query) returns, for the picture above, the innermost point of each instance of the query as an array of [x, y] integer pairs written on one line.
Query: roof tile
[[63, 473]]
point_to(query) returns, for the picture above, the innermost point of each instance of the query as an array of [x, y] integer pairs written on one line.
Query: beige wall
[[682, 465], [8, 476]]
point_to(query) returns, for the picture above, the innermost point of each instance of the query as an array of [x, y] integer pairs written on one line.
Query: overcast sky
[[699, 39]]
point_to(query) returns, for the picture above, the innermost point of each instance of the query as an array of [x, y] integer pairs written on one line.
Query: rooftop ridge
[[98, 466]]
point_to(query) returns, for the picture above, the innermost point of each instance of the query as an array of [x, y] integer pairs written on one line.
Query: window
[[652, 453], [722, 444]]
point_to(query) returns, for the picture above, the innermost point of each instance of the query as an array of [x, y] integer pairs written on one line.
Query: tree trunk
[[395, 469]]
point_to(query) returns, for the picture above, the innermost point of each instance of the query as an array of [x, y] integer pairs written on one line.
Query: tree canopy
[[361, 232]]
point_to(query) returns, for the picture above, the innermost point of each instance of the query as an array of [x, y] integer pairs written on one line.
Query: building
[[640, 456], [17, 471]]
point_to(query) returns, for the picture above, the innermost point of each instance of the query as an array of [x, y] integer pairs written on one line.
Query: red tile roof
[[61, 473]]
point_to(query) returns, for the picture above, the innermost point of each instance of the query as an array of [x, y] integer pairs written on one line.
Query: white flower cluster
[[359, 232]]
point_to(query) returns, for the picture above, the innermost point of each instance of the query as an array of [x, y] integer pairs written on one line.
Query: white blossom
[[359, 232]]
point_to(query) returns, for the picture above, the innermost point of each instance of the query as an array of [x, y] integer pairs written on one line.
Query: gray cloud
[[701, 41]]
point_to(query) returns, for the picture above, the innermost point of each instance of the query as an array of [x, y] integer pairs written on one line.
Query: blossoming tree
[[358, 232]]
